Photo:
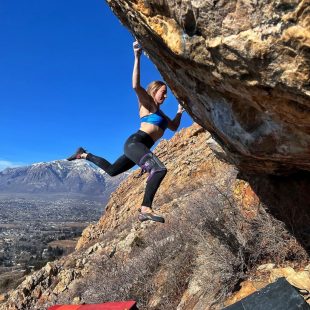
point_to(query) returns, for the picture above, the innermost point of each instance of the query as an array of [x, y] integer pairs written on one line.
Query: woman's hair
[[153, 87]]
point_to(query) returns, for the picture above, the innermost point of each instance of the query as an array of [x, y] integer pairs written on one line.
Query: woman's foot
[[77, 154], [147, 214]]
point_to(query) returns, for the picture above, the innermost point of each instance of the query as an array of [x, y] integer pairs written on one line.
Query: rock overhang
[[240, 68]]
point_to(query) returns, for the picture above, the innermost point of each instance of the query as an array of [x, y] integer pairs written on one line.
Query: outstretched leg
[[121, 165]]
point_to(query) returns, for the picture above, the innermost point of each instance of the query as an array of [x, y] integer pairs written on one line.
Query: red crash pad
[[123, 305]]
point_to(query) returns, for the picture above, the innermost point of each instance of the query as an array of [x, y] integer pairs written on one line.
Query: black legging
[[135, 149]]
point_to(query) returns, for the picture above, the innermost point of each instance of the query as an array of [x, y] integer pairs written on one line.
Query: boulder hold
[[241, 69]]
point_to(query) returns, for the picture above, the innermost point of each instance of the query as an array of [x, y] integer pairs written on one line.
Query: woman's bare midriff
[[152, 130]]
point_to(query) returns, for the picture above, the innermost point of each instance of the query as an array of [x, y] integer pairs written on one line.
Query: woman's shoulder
[[144, 99]]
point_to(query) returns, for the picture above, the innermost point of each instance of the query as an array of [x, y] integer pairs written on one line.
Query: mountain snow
[[59, 176]]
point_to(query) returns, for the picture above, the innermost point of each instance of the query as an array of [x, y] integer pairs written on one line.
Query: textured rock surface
[[242, 67]]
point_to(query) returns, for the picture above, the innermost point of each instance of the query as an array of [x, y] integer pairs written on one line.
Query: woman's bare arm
[[136, 67], [175, 123], [143, 97]]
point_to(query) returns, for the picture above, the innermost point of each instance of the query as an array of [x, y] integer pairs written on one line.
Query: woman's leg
[[121, 165], [157, 171], [140, 154]]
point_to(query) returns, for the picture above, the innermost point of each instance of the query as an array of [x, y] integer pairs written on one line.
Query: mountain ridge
[[58, 177]]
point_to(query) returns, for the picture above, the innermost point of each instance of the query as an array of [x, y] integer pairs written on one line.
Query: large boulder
[[242, 68]]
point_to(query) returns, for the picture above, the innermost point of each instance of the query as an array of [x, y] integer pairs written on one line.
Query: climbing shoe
[[151, 217], [77, 154]]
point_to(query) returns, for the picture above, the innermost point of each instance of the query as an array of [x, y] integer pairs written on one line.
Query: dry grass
[[165, 254], [206, 239], [231, 245]]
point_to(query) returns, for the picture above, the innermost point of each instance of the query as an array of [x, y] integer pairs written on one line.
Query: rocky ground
[[224, 232]]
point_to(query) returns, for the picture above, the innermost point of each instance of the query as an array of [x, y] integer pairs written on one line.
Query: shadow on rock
[[287, 198]]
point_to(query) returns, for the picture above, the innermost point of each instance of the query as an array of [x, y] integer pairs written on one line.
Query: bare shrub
[[206, 238], [165, 250], [231, 245]]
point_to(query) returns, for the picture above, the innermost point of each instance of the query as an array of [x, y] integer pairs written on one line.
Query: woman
[[137, 147]]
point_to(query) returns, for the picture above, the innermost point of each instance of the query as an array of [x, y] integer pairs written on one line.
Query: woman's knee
[[151, 164]]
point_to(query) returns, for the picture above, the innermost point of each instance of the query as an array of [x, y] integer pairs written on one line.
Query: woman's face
[[161, 94]]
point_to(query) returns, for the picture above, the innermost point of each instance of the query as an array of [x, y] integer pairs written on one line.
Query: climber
[[137, 147]]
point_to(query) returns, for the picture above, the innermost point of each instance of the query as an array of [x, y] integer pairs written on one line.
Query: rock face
[[242, 68]]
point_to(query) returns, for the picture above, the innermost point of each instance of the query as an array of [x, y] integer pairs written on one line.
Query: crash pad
[[122, 305]]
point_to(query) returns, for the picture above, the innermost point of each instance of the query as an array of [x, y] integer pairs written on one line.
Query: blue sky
[[65, 81]]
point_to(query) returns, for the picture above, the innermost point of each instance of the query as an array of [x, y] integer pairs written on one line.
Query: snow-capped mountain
[[59, 177]]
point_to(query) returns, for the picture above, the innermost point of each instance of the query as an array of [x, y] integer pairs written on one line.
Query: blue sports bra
[[156, 119]]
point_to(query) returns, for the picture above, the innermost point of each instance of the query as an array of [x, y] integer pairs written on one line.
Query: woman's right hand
[[180, 109], [137, 48]]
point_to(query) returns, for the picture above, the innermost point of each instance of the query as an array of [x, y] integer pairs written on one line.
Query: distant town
[[35, 231]]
